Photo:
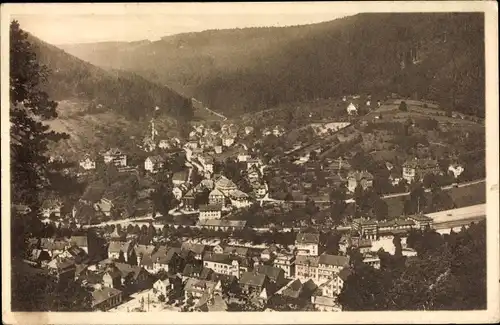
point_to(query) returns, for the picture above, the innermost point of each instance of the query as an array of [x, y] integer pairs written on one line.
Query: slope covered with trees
[[436, 56], [124, 92]]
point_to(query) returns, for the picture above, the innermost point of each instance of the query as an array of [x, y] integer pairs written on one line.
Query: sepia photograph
[[313, 159]]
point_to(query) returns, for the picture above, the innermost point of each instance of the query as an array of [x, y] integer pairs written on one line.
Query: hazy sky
[[131, 24]]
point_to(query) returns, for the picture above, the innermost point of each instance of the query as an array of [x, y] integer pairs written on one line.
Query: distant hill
[[435, 56], [100, 90]]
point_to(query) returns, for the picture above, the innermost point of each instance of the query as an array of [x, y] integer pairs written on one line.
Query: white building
[[307, 244], [209, 211], [456, 170], [239, 199], [351, 109], [87, 163], [154, 163], [287, 263], [116, 157]]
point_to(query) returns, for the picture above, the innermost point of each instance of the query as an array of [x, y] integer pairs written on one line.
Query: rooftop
[[307, 238]]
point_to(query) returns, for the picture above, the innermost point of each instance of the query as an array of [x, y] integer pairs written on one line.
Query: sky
[[97, 24]]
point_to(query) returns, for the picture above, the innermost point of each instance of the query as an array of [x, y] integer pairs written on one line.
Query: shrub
[[403, 107]]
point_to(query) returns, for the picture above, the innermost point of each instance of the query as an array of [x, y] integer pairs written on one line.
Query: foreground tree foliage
[[448, 274], [34, 177]]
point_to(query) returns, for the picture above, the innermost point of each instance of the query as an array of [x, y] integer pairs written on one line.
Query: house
[[306, 267], [133, 278], [38, 257], [106, 298], [51, 208], [197, 249], [153, 164], [216, 197], [224, 225], [142, 251], [322, 303], [421, 221], [418, 168], [63, 269], [254, 174], [307, 244], [254, 162], [351, 109], [236, 251], [243, 156], [104, 206], [228, 140], [287, 263], [191, 271], [53, 247], [248, 129], [366, 228], [330, 265], [253, 283], [225, 185], [218, 249], [372, 259], [207, 162], [362, 244], [210, 211], [333, 287], [180, 178], [83, 242], [168, 260], [178, 191], [275, 274], [117, 249], [165, 144], [211, 302], [222, 263], [87, 163], [239, 199], [115, 156], [363, 178], [163, 287], [339, 164], [456, 170], [218, 149], [278, 131], [196, 288], [188, 200]]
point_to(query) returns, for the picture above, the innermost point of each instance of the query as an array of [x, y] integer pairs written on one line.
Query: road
[[466, 213], [268, 199]]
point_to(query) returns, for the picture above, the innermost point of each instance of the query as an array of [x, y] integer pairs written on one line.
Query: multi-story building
[[307, 244], [421, 221], [210, 211], [363, 178], [116, 157], [222, 263], [239, 199], [365, 227], [216, 197], [287, 263], [306, 267], [418, 168], [330, 265]]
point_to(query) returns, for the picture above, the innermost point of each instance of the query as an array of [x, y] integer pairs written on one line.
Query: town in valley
[[368, 198]]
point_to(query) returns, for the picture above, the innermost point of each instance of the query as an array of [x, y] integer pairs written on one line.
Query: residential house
[[366, 227], [178, 191], [142, 251], [222, 263], [210, 211], [218, 149], [236, 251], [211, 302], [248, 129], [104, 206], [330, 265], [243, 156], [120, 248], [106, 298], [225, 185], [218, 249], [363, 178], [191, 271], [163, 287], [197, 249], [254, 162], [188, 200], [53, 247], [351, 109], [133, 278], [287, 263], [196, 288], [276, 275], [239, 199], [322, 303], [307, 244], [372, 259], [87, 163], [180, 178], [421, 221], [254, 174], [167, 259], [153, 164], [362, 244], [63, 269], [306, 267], [255, 284], [116, 157], [418, 168], [456, 170], [216, 197], [51, 208], [85, 243], [228, 140], [224, 225]]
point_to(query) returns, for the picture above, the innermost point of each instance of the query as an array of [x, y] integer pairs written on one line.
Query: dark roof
[[191, 270], [218, 258], [253, 279], [309, 286], [206, 273], [236, 250], [293, 289], [270, 271], [117, 246], [195, 248], [127, 269], [335, 260], [105, 293], [344, 273], [306, 260], [81, 241], [180, 176], [307, 238]]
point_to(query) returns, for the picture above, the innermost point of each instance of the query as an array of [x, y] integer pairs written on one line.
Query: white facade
[[87, 164], [309, 249]]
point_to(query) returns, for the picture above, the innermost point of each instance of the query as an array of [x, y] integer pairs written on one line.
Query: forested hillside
[[126, 93], [433, 56]]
